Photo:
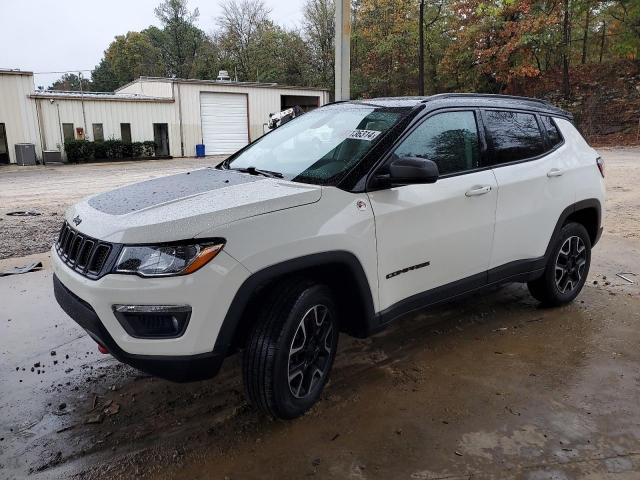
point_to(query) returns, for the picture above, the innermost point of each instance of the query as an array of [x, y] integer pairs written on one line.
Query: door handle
[[555, 172], [478, 190]]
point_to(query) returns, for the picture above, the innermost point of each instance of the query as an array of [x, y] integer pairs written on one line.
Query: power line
[[65, 71]]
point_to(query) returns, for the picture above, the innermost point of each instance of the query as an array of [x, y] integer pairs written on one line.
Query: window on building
[[450, 139], [125, 132], [68, 132], [553, 134], [513, 136], [98, 132]]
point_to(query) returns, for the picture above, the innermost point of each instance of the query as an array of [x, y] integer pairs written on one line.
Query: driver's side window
[[450, 139]]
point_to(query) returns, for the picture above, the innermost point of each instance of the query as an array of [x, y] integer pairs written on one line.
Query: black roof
[[447, 100]]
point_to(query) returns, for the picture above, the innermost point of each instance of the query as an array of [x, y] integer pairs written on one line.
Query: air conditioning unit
[[51, 156], [25, 154]]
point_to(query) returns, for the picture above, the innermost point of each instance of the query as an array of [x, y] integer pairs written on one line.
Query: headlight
[[166, 260]]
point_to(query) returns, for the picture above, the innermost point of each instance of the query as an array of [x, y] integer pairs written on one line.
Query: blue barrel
[[200, 150]]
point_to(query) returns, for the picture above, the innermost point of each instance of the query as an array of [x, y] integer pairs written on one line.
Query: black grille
[[84, 254]]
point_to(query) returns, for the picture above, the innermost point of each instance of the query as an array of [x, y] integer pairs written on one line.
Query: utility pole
[[343, 50], [84, 116], [421, 50]]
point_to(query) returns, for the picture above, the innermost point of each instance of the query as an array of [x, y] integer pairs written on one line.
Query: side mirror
[[410, 170]]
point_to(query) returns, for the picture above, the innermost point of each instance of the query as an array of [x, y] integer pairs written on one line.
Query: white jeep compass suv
[[342, 220]]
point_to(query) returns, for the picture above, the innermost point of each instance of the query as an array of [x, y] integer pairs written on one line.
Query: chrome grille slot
[[83, 254]]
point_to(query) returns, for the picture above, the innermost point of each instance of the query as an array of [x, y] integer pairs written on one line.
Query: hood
[[181, 206]]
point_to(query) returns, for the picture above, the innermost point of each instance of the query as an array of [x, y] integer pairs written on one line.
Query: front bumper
[[176, 368], [193, 355]]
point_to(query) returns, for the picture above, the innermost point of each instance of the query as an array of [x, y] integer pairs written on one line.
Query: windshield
[[320, 146]]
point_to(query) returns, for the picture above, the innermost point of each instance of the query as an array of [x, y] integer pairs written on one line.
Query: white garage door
[[224, 122]]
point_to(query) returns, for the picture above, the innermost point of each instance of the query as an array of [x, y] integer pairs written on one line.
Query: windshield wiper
[[257, 171]]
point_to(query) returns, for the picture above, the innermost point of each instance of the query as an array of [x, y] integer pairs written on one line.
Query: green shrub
[[148, 148], [127, 150], [78, 150], [136, 149], [112, 149], [99, 150]]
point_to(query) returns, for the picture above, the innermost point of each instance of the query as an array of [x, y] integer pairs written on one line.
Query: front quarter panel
[[340, 221]]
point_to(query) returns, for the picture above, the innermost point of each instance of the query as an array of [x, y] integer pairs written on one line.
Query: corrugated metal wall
[[27, 119], [262, 102], [110, 113], [18, 111]]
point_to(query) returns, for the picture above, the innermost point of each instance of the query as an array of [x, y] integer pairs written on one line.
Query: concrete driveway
[[488, 387]]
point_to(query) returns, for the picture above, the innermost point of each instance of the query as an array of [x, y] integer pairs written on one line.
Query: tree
[[626, 15], [566, 87], [103, 78], [180, 39], [495, 43], [283, 57], [242, 26], [70, 82], [385, 46], [319, 35], [207, 62], [469, 45], [585, 33], [128, 57]]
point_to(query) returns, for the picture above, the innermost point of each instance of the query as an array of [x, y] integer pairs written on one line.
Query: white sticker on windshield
[[367, 135]]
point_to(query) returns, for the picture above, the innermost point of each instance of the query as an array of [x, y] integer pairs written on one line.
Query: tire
[[566, 269], [287, 360]]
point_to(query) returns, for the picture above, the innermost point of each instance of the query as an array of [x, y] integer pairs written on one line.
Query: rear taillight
[[600, 163]]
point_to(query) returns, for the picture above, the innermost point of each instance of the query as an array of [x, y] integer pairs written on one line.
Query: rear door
[[532, 192], [4, 145], [433, 235]]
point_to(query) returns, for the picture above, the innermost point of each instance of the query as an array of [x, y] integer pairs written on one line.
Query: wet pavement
[[489, 387], [493, 386]]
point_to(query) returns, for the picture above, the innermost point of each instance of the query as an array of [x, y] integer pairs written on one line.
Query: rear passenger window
[[450, 139], [553, 134], [513, 136]]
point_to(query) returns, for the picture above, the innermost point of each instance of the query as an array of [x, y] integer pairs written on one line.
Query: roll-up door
[[224, 122]]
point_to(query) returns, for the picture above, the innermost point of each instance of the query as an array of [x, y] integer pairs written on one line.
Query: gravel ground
[[50, 190]]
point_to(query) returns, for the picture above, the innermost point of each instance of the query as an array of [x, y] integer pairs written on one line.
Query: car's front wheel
[[567, 267], [291, 348]]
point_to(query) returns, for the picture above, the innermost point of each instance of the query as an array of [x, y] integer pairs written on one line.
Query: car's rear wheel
[[566, 269], [291, 349]]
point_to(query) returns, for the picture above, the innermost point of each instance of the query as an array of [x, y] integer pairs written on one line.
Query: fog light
[[153, 321]]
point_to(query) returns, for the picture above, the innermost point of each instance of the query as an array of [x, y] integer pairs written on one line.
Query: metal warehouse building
[[177, 114]]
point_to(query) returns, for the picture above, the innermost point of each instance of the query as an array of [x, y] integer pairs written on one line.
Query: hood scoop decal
[[166, 189]]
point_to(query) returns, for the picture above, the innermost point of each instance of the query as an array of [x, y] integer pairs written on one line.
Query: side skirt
[[518, 271]]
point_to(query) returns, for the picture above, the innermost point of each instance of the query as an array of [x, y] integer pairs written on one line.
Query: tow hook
[[102, 348]]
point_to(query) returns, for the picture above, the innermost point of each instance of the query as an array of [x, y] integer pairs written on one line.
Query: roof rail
[[486, 95]]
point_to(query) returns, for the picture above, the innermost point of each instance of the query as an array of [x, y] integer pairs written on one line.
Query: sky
[[71, 35]]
